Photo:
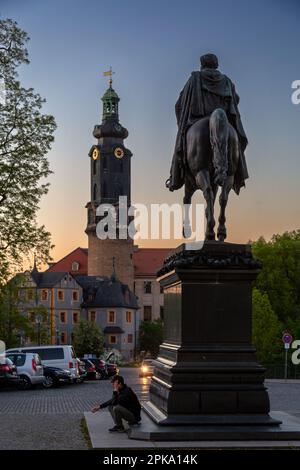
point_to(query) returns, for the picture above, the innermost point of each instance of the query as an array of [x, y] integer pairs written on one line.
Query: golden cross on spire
[[109, 73]]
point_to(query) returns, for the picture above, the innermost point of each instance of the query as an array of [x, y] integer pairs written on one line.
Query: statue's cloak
[[197, 100]]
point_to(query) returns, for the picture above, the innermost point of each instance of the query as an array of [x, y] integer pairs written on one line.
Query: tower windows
[[95, 191], [94, 167], [104, 163], [104, 193]]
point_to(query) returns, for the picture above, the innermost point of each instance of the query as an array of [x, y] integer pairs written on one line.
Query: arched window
[[95, 192], [94, 167], [104, 163], [121, 166]]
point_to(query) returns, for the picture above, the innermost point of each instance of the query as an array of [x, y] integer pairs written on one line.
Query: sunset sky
[[153, 46]]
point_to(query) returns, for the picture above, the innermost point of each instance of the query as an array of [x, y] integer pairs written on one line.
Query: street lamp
[[38, 320]]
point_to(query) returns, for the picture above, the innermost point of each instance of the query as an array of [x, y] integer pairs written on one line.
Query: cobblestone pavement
[[50, 419], [70, 399]]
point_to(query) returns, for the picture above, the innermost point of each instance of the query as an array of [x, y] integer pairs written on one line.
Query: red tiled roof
[[146, 261], [65, 264]]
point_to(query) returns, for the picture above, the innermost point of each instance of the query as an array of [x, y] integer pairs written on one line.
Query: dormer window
[[75, 266]]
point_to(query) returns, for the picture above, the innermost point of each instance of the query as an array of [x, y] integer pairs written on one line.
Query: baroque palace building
[[112, 282]]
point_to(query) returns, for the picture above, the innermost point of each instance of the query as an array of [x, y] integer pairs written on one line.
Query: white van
[[62, 356]]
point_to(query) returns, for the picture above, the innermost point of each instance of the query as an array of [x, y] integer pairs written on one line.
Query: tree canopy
[[151, 336], [88, 339], [26, 136], [280, 276]]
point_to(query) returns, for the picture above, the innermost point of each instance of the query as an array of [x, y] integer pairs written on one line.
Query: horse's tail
[[219, 130]]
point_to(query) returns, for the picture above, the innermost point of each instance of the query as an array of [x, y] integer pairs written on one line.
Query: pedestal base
[[206, 372], [288, 430], [162, 419]]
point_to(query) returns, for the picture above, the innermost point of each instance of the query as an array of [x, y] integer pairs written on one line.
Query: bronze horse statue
[[210, 144], [212, 157]]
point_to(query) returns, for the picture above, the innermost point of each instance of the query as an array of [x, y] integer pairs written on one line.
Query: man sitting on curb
[[124, 404]]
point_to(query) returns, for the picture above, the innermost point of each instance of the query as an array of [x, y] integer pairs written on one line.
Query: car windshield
[[17, 359], [47, 354]]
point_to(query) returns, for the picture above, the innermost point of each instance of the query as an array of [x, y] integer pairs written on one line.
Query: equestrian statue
[[210, 143]]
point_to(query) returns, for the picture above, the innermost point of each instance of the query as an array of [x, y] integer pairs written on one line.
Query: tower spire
[[109, 73], [110, 99]]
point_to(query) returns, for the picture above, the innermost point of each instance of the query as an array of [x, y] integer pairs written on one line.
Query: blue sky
[[153, 47]]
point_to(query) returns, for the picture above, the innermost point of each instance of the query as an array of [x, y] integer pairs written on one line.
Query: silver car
[[29, 368]]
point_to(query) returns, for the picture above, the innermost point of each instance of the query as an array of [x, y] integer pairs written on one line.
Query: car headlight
[[145, 369]]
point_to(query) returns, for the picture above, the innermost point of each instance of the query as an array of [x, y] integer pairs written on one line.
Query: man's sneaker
[[117, 429], [134, 423]]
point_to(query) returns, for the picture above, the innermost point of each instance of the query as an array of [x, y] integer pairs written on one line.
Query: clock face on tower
[[96, 153], [119, 152]]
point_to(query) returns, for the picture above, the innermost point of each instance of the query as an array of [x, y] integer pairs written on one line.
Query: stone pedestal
[[207, 372]]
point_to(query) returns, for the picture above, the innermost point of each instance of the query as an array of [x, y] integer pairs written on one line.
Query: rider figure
[[205, 91]]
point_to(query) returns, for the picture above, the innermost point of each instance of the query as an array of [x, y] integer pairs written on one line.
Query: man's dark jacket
[[127, 398]]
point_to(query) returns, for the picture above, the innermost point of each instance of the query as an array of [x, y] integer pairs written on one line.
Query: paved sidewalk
[[41, 432], [99, 423]]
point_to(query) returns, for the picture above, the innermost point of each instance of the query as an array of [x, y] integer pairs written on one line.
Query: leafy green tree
[[151, 336], [266, 329], [88, 338], [12, 319], [26, 136], [280, 276]]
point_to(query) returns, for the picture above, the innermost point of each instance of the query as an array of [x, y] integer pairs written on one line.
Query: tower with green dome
[[110, 178]]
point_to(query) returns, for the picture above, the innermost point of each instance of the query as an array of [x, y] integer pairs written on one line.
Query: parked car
[[90, 368], [100, 365], [111, 369], [82, 371], [147, 367], [54, 376], [61, 356], [8, 373], [29, 368]]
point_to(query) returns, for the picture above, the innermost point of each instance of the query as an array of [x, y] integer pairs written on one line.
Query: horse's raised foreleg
[[188, 193], [204, 183], [222, 232]]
